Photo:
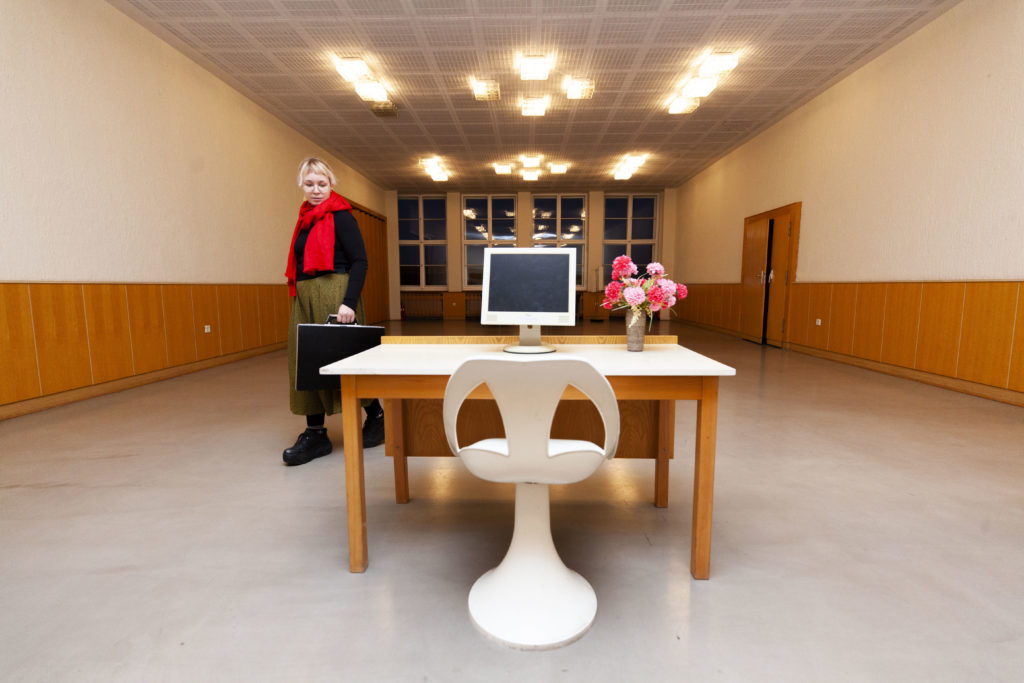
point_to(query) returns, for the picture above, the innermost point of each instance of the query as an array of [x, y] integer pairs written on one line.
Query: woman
[[326, 271]]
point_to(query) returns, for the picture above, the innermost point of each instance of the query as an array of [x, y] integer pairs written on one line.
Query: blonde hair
[[314, 165]]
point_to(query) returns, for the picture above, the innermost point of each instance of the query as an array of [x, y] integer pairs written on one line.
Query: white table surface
[[610, 359]]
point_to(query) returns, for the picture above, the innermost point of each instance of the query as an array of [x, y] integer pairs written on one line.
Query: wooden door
[[375, 289], [778, 279], [752, 287]]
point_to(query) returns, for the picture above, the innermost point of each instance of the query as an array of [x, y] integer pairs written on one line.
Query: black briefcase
[[320, 345]]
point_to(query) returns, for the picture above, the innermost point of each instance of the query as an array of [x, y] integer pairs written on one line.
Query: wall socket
[[817, 321], [206, 329]]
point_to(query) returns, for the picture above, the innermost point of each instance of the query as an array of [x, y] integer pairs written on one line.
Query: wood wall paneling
[[179, 324], [796, 327], [868, 320], [229, 319], [146, 322], [1017, 354], [942, 305], [985, 342], [18, 365], [204, 313], [902, 317], [841, 317], [249, 309], [819, 302], [267, 315], [62, 342], [375, 289], [282, 311], [110, 340]]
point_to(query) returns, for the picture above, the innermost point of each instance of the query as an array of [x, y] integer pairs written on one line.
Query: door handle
[[771, 275], [761, 277]]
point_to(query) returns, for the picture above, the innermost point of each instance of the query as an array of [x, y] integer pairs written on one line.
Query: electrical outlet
[[817, 321], [206, 329]]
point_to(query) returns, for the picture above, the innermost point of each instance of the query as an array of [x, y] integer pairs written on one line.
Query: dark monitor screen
[[529, 286]]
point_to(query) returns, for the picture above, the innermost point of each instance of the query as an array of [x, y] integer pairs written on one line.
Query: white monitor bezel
[[566, 318]]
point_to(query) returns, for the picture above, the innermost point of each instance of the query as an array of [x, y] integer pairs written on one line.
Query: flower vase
[[636, 323]]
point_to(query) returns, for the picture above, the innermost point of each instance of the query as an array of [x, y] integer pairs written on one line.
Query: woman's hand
[[346, 314]]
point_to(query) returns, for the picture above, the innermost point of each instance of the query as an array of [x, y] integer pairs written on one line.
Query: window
[[487, 222], [422, 242], [628, 229], [560, 221]]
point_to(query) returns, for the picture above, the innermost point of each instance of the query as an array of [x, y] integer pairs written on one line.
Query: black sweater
[[349, 256]]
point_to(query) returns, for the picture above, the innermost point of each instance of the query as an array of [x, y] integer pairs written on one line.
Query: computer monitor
[[529, 287]]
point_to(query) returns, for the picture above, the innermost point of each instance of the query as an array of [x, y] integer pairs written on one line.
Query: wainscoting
[[967, 336], [61, 342]]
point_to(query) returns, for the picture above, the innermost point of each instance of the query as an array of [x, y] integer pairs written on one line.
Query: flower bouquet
[[644, 295]]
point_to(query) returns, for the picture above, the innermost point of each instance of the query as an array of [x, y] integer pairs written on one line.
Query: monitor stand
[[529, 341]]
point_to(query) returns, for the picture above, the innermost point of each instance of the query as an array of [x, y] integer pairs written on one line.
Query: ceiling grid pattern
[[277, 52]]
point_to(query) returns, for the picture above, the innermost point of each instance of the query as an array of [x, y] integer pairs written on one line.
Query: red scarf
[[319, 252]]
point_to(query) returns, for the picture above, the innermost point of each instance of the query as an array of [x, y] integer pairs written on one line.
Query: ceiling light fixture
[[530, 173], [715, 63], [351, 69], [435, 168], [485, 90], [628, 166], [677, 104], [502, 169], [699, 87], [530, 161], [535, 106], [558, 168], [578, 88], [371, 91], [534, 67]]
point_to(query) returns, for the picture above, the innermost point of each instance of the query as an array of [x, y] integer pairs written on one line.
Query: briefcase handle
[[332, 319]]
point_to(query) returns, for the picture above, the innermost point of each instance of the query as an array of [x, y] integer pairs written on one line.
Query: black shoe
[[373, 431], [312, 443]]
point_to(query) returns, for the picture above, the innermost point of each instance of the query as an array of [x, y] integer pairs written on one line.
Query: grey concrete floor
[[866, 528]]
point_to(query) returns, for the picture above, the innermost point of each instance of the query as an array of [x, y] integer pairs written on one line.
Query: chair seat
[[568, 461]]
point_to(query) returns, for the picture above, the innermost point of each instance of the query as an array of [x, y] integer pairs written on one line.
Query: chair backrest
[[527, 390]]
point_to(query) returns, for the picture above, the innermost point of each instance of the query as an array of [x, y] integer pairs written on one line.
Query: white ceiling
[[277, 52]]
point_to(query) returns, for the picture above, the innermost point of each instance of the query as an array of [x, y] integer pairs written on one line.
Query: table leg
[[666, 446], [395, 447], [704, 479], [355, 487]]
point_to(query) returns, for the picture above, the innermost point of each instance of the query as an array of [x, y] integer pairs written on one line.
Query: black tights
[[317, 421]]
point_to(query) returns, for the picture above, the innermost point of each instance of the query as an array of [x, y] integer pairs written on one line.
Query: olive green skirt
[[314, 300]]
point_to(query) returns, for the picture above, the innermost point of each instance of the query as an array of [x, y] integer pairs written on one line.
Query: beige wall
[[125, 161], [909, 169]]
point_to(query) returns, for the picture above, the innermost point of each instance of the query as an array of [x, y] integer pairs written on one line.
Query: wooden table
[[663, 372]]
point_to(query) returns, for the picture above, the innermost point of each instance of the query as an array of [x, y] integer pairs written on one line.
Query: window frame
[[558, 241], [421, 243], [629, 241], [489, 241]]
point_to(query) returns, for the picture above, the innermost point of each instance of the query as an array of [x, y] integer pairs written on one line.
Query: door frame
[[794, 211]]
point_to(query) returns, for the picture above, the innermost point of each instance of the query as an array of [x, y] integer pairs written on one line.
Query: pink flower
[[671, 302], [608, 304], [667, 286], [656, 295], [634, 295], [681, 291], [613, 290], [655, 269], [622, 266]]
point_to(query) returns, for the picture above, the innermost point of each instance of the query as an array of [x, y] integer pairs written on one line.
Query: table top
[[610, 359]]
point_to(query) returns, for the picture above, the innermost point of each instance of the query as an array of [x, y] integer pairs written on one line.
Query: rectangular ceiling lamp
[[485, 90], [534, 67], [530, 162], [351, 69], [503, 169], [535, 106], [558, 168], [699, 87], [677, 104], [371, 91], [578, 88], [718, 63], [531, 173]]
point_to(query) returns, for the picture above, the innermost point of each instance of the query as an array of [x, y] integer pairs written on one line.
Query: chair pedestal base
[[532, 600]]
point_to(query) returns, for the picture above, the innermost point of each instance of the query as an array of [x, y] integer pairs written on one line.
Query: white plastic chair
[[532, 600]]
